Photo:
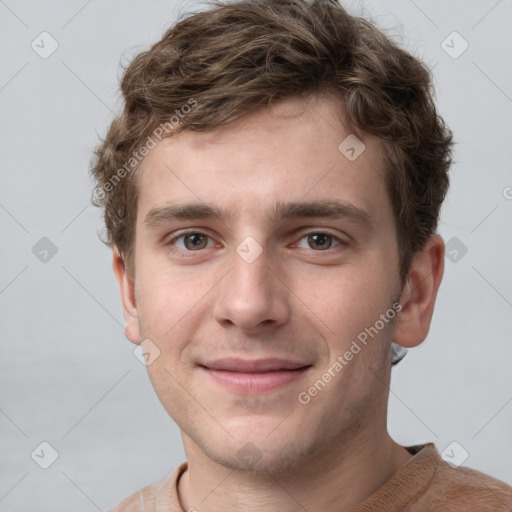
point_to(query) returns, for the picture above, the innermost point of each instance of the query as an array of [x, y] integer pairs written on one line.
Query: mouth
[[256, 376]]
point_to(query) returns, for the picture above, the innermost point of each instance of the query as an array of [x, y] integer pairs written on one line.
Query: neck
[[339, 478]]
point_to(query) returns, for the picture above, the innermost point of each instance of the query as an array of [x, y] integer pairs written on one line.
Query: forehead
[[299, 149]]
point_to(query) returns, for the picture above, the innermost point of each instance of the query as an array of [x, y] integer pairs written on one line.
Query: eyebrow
[[327, 209]]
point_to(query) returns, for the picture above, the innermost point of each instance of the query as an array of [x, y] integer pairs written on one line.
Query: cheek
[[342, 304], [168, 305]]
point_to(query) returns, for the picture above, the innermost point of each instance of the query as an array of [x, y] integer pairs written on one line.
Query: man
[[271, 194]]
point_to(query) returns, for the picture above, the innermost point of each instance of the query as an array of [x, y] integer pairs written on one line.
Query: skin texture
[[294, 301]]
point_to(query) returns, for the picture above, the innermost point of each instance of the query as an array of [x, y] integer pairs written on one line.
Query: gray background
[[69, 377]]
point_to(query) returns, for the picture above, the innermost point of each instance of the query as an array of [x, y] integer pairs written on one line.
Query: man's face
[[250, 310]]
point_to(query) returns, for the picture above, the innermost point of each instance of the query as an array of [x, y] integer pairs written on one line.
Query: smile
[[250, 377]]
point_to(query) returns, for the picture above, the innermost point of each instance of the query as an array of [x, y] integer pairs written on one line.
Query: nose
[[251, 296]]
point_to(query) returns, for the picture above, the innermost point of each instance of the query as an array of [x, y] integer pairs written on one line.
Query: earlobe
[[127, 289], [419, 294]]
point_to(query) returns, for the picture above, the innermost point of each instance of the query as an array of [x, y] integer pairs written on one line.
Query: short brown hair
[[240, 56]]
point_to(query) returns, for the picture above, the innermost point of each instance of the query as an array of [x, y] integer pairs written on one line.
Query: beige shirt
[[425, 483]]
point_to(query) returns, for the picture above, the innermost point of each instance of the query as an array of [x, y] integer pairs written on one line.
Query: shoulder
[[142, 500], [454, 489], [426, 483], [461, 489], [160, 497]]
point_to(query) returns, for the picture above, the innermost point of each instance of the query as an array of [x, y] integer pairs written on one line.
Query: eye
[[320, 240], [191, 241]]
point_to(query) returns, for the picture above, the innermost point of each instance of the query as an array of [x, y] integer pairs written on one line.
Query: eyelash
[[341, 242]]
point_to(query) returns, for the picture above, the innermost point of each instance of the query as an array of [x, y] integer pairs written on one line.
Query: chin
[[257, 452]]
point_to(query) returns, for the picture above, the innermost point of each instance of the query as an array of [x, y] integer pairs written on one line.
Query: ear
[[131, 330], [419, 294]]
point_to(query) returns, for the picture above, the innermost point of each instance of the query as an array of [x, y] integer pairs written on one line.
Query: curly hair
[[216, 66]]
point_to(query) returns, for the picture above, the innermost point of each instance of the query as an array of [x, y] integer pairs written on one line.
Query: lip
[[254, 376]]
